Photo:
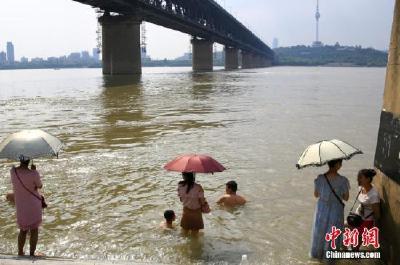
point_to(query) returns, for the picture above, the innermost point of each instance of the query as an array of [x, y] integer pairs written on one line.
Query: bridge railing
[[199, 18], [209, 15]]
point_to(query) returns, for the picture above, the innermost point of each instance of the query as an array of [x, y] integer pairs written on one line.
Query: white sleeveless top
[[366, 200]]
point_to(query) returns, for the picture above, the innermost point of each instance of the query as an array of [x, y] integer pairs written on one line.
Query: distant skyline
[[46, 28]]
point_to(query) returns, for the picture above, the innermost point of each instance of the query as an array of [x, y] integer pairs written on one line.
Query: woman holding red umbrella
[[191, 195]]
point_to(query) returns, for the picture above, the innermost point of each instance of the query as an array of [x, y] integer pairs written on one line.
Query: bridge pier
[[121, 45], [258, 61], [202, 58], [231, 58], [248, 60], [266, 62], [261, 61], [387, 155]]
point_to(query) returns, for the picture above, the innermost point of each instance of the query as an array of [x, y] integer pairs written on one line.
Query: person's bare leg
[[33, 241], [10, 197], [21, 242], [185, 232], [195, 233]]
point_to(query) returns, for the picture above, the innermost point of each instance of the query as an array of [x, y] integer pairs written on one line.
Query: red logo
[[335, 233], [351, 237], [371, 237]]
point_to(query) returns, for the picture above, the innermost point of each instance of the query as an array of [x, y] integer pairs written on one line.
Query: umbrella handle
[[33, 167]]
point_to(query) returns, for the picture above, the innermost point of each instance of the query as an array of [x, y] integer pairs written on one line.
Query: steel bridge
[[205, 20]]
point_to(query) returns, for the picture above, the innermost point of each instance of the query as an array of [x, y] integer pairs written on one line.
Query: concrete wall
[[387, 156]]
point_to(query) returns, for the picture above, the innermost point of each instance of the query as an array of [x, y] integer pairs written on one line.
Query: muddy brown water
[[107, 191]]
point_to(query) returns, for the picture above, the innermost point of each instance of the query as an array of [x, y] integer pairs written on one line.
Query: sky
[[45, 28]]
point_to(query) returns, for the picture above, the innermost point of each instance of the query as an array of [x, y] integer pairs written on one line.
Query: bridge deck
[[200, 18]]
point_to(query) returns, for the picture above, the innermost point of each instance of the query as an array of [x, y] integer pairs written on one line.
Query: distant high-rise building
[[317, 43], [85, 56], [143, 43], [37, 60], [96, 54], [275, 43], [74, 57], [10, 53], [24, 59], [3, 58]]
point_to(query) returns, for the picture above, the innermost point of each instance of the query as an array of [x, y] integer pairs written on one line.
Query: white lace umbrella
[[320, 153], [29, 144]]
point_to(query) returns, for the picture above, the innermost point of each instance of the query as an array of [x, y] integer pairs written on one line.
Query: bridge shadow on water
[[123, 111], [137, 110]]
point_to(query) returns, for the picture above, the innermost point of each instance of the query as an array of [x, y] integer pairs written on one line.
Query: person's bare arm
[[377, 211], [202, 201], [316, 194], [242, 200], [346, 196], [201, 197], [221, 200]]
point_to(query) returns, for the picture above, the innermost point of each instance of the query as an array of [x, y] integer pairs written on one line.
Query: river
[[107, 191]]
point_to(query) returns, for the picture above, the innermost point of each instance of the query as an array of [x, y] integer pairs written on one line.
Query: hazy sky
[[44, 28]]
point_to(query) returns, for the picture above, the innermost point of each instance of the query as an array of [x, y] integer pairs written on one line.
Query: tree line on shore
[[334, 55]]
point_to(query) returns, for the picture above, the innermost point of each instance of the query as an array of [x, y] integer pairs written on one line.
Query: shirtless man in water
[[230, 198]]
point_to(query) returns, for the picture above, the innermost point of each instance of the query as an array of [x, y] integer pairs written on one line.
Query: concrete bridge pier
[[121, 45], [231, 58], [263, 61], [247, 60], [266, 62], [202, 58], [387, 155], [259, 61]]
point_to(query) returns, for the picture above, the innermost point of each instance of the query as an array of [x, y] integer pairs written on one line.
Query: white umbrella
[[324, 151], [29, 144]]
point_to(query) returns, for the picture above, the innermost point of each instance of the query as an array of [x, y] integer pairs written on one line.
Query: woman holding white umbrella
[[24, 146], [28, 201], [330, 188]]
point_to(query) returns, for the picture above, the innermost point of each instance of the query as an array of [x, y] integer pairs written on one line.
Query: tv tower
[[317, 16], [317, 43]]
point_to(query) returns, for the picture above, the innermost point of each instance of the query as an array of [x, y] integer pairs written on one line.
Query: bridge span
[[205, 20]]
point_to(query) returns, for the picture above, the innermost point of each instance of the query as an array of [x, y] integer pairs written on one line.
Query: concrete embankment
[[14, 260]]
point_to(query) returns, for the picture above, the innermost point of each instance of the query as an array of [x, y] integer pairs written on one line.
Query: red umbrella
[[194, 163]]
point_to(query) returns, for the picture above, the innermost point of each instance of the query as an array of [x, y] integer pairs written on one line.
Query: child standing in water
[[230, 198]]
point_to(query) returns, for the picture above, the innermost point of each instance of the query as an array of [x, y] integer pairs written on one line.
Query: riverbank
[[334, 55], [15, 260]]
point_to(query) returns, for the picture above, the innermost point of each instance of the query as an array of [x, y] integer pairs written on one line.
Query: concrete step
[[15, 260]]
